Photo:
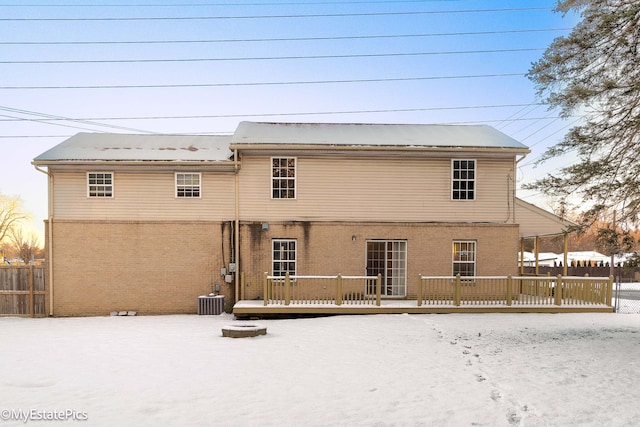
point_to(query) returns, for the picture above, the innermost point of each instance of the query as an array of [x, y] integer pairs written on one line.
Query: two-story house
[[150, 222]]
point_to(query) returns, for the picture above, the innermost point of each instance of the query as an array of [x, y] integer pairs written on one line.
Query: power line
[[46, 119], [285, 39], [301, 82], [316, 15], [329, 3], [307, 113], [266, 58], [231, 132]]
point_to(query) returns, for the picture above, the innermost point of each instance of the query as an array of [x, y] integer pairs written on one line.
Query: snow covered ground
[[376, 370]]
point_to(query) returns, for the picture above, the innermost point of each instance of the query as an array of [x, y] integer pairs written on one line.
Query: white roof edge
[[91, 147], [359, 134]]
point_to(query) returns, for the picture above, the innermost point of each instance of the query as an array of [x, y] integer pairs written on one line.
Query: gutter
[[373, 148], [151, 164], [49, 233]]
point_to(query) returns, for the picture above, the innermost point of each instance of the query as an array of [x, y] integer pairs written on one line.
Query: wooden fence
[[621, 273], [22, 291]]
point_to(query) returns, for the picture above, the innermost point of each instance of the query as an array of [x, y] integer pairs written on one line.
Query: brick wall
[[148, 267], [329, 248], [162, 267]]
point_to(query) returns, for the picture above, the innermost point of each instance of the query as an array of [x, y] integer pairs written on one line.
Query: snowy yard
[[377, 370]]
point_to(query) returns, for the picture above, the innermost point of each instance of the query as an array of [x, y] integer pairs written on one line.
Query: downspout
[[50, 235], [236, 229], [515, 176]]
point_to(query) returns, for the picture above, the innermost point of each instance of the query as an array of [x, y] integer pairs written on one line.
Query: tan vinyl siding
[[144, 196], [538, 222], [376, 189]]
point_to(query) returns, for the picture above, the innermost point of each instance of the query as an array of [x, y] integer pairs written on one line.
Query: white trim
[[295, 177], [175, 180], [295, 254], [111, 195], [404, 266], [474, 180], [475, 256]]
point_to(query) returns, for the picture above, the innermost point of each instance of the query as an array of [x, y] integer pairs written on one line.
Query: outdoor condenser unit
[[209, 305]]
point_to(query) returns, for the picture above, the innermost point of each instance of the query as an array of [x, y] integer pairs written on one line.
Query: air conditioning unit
[[211, 305]]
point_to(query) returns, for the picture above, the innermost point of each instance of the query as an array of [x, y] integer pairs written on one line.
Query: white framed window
[[99, 184], [283, 177], [464, 257], [188, 184], [284, 257], [463, 179]]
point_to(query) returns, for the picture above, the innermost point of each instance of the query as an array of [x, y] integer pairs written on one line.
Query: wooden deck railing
[[338, 290], [441, 290], [514, 290]]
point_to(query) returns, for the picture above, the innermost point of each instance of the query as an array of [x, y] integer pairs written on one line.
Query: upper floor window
[[100, 184], [188, 184], [283, 257], [464, 257], [283, 178], [463, 183]]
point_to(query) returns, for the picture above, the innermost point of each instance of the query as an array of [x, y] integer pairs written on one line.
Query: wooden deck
[[324, 295], [255, 308]]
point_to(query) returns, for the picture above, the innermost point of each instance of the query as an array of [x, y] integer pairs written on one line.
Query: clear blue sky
[[432, 61]]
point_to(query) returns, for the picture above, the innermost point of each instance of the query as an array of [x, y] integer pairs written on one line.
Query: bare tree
[[11, 215], [26, 245]]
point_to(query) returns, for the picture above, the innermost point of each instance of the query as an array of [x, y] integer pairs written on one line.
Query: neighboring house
[[150, 222]]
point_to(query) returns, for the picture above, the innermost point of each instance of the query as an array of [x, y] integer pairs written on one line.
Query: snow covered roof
[[398, 135], [121, 147]]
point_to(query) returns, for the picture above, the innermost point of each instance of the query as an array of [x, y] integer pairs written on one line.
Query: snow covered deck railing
[[514, 290], [440, 291], [338, 290]]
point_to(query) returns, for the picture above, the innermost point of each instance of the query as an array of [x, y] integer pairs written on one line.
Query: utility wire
[[231, 132], [284, 39], [315, 3], [266, 58], [292, 16], [45, 119], [301, 82], [307, 113]]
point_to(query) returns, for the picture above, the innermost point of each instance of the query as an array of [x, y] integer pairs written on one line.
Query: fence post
[[266, 289], [419, 290], [31, 278], [609, 292], [558, 290], [339, 289], [456, 294], [379, 289], [287, 289], [509, 281]]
